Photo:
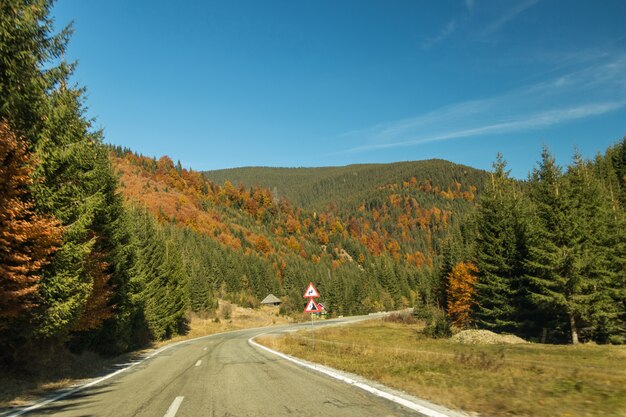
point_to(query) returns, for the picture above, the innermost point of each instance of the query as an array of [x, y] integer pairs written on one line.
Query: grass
[[65, 369], [237, 318], [492, 380], [58, 370]]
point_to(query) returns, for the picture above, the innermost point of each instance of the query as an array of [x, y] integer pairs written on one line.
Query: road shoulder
[[406, 400]]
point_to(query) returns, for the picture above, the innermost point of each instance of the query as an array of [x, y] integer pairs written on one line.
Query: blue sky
[[326, 82]]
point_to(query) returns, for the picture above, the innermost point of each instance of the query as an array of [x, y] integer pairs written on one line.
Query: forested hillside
[[348, 186], [107, 250], [546, 258], [380, 251], [542, 258], [82, 267]]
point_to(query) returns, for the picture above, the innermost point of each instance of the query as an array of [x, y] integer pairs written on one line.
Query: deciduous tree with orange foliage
[[461, 291], [27, 240]]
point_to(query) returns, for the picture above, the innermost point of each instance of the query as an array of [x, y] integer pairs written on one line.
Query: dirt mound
[[485, 337]]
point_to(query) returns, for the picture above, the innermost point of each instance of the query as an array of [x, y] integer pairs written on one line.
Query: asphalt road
[[221, 375]]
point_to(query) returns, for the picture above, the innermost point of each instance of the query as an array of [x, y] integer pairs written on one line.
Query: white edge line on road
[[112, 374], [92, 383], [171, 412], [104, 378], [336, 375]]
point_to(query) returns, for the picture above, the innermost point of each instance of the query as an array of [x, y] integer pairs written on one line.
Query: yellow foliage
[[461, 292]]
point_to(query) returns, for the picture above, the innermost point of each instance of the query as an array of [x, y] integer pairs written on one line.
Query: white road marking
[[171, 412], [333, 373], [79, 388], [198, 363], [111, 375], [92, 383]]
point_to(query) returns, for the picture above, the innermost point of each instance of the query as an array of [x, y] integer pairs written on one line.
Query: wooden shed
[[271, 300]]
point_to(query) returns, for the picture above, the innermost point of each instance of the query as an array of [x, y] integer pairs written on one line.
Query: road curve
[[221, 375]]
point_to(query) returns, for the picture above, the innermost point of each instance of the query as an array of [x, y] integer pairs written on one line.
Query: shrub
[[227, 310], [438, 326], [404, 317]]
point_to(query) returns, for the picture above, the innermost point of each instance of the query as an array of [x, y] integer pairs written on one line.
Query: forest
[[104, 249], [545, 258], [381, 255]]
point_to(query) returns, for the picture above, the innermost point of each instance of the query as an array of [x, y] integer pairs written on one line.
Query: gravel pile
[[485, 337]]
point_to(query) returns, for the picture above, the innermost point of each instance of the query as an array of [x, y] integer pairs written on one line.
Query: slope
[[317, 188], [371, 240]]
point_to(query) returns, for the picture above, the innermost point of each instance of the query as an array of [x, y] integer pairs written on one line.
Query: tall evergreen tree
[[75, 182], [610, 168], [27, 46], [158, 273], [27, 240], [499, 252], [617, 156], [556, 262], [593, 245]]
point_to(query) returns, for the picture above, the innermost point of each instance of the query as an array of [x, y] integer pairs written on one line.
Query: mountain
[[370, 235], [347, 186]]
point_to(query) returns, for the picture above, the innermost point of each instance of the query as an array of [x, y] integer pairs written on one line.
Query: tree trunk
[[572, 323]]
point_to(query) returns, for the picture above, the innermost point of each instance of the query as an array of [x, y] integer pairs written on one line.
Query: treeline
[[381, 255], [82, 268], [346, 186], [406, 220], [105, 249], [77, 268], [545, 258]]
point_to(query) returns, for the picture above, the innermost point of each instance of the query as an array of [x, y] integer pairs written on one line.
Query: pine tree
[[159, 278], [27, 46], [556, 263], [75, 182], [389, 281], [617, 157], [617, 253], [126, 329], [610, 168], [27, 239], [593, 247], [499, 252]]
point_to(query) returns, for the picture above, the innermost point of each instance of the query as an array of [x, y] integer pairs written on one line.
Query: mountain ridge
[[373, 240], [330, 183]]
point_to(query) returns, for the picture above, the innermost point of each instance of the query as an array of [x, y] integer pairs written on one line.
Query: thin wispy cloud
[[588, 92], [531, 121], [469, 4], [441, 36], [508, 16]]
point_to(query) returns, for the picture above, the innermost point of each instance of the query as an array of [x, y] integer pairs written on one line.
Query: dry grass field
[[491, 380]]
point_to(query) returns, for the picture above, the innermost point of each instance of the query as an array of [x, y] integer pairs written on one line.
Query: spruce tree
[[75, 182], [159, 277], [27, 46], [27, 241], [597, 237], [554, 262], [617, 156], [499, 250]]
